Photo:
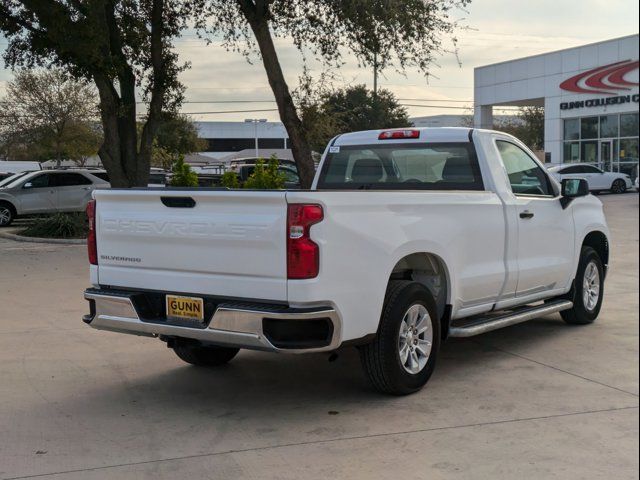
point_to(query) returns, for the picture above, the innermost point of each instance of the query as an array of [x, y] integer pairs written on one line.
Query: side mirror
[[573, 188], [28, 185]]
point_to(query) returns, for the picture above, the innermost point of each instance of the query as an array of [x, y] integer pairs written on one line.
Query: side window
[[525, 175], [576, 169], [590, 169], [69, 180], [40, 181]]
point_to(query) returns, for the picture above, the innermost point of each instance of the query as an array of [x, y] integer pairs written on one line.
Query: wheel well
[[11, 207], [598, 241], [429, 270]]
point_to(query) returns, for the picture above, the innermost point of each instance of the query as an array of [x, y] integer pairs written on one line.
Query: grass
[[58, 225]]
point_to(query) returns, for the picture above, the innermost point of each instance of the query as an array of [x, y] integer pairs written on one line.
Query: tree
[[528, 126], [177, 136], [347, 110], [183, 176], [121, 45], [384, 33], [266, 176], [47, 115]]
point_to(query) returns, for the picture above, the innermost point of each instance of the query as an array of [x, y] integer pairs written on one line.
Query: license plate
[[185, 308]]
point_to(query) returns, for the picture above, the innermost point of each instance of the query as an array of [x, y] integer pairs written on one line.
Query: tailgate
[[230, 243]]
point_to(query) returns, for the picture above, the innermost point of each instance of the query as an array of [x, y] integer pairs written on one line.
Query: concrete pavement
[[538, 400]]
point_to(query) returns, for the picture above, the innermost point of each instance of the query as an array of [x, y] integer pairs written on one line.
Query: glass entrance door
[[606, 155]]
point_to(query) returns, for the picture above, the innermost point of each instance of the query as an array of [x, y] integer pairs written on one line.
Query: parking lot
[[538, 400]]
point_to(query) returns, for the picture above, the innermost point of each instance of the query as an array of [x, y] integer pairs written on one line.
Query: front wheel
[[618, 186], [205, 356], [6, 215], [588, 290], [402, 357]]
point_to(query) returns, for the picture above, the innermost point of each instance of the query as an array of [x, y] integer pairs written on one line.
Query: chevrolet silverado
[[407, 237]]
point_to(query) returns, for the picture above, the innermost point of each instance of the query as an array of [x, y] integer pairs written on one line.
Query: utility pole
[[255, 122], [375, 75]]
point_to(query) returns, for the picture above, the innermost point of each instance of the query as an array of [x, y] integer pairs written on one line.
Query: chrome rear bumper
[[230, 325]]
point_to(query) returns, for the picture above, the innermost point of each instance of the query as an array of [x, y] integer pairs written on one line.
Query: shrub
[[230, 180], [183, 176], [59, 225], [266, 177]]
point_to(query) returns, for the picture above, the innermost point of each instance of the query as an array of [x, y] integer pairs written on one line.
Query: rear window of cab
[[408, 166]]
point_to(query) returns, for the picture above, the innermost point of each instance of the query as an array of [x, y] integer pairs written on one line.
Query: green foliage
[[162, 158], [183, 176], [266, 176], [58, 225], [47, 115], [178, 134], [328, 113], [230, 180], [528, 126], [398, 33], [125, 47]]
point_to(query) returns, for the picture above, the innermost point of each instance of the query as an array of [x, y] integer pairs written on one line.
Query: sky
[[495, 31]]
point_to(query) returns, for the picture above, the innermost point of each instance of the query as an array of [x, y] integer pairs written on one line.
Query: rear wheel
[[7, 214], [205, 356], [618, 186], [588, 290], [402, 357]]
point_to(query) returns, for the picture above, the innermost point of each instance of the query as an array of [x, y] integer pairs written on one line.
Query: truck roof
[[427, 134]]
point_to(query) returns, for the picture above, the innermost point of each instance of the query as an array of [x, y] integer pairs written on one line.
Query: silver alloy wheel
[[591, 286], [619, 186], [5, 215], [415, 338]]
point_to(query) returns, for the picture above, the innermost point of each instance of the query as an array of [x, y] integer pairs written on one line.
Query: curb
[[55, 241]]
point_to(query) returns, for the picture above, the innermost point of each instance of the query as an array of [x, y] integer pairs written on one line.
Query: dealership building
[[589, 95]]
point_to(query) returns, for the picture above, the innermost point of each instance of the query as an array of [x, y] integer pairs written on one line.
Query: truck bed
[[193, 241]]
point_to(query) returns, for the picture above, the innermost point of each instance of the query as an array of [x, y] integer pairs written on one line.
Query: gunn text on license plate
[[185, 308]]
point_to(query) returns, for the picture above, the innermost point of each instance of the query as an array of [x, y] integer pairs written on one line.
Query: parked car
[[46, 191], [290, 172], [237, 162], [17, 167], [407, 237], [597, 179], [5, 175], [157, 177]]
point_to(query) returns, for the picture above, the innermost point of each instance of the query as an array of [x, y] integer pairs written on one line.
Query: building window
[[571, 152], [629, 125], [589, 127], [610, 141], [609, 126], [572, 129], [589, 152]]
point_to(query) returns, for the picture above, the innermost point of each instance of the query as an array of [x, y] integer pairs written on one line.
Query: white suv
[[46, 191]]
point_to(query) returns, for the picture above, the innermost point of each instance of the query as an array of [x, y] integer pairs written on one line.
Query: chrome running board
[[480, 325]]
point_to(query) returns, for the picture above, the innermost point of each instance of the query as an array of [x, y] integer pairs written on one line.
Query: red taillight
[[303, 254], [391, 134], [92, 246]]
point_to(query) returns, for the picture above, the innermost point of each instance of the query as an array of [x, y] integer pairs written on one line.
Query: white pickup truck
[[407, 237]]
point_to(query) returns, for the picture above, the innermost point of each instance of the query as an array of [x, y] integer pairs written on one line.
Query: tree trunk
[[286, 107]]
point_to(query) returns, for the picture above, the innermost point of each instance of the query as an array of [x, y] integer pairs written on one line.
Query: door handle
[[526, 214]]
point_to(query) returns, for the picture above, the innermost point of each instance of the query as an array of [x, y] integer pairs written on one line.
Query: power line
[[228, 111]]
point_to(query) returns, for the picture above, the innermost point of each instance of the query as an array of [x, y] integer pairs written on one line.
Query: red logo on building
[[606, 80]]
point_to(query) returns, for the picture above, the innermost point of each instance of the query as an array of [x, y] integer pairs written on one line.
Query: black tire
[[618, 186], [205, 356], [381, 358], [7, 214], [580, 314]]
